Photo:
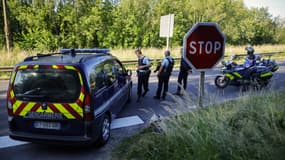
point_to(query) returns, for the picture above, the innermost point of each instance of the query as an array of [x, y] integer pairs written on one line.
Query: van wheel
[[105, 132]]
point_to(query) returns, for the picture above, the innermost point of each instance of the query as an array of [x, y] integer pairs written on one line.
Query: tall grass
[[156, 53], [10, 59], [252, 127]]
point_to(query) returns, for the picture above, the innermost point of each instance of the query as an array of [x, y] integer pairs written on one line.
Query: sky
[[275, 7]]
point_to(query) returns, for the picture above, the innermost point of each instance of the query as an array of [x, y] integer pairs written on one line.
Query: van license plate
[[47, 125]]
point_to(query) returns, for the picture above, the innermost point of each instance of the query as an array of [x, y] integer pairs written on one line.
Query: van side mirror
[[125, 73]]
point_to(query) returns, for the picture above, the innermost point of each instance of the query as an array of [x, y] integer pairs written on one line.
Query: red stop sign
[[203, 46]]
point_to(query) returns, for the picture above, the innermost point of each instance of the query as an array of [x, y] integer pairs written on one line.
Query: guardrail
[[263, 54], [134, 62], [6, 68]]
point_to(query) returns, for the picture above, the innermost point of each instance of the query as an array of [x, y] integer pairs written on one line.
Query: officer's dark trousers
[[182, 78], [142, 83], [163, 80]]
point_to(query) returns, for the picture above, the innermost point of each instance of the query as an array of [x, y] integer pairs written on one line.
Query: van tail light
[[88, 113], [9, 108], [9, 104]]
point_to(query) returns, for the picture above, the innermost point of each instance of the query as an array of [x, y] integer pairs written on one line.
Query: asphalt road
[[148, 109]]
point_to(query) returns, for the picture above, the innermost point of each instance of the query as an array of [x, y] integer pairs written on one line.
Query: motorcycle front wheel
[[222, 81]]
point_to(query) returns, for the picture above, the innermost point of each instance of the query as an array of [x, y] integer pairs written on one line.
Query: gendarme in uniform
[[163, 74], [143, 73]]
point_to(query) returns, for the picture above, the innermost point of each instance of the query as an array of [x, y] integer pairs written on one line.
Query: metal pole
[[168, 35], [201, 89], [167, 43]]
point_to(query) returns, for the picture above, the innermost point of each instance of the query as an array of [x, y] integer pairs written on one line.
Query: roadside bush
[[248, 128]]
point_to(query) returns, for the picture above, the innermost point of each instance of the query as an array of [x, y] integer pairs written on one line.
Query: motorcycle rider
[[250, 61], [250, 58]]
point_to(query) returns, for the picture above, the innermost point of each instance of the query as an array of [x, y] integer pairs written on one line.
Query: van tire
[[105, 130]]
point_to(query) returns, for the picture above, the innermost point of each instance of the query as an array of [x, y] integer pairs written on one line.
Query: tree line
[[53, 24]]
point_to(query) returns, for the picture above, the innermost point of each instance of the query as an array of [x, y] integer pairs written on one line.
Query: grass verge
[[252, 127]]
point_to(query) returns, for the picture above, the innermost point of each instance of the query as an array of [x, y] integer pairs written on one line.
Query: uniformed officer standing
[[143, 73], [163, 75], [184, 70]]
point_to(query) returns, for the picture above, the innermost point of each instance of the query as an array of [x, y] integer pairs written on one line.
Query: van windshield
[[47, 85]]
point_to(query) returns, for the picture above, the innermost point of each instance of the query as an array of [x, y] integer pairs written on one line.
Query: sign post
[[203, 48], [201, 91], [166, 27]]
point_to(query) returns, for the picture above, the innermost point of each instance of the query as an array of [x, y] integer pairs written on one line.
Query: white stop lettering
[[209, 47]]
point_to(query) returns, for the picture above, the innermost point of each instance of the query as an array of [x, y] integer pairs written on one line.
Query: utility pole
[[6, 28]]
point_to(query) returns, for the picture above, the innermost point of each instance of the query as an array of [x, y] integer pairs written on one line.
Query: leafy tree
[[34, 24], [280, 31], [53, 24]]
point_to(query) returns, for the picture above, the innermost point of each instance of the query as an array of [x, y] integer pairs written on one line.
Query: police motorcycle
[[245, 75]]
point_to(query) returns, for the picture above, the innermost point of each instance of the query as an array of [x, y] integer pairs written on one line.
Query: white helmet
[[249, 49]]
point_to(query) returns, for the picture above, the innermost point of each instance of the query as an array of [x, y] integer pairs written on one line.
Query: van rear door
[[59, 88]]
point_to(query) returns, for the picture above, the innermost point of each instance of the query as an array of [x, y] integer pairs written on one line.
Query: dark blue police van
[[71, 96]]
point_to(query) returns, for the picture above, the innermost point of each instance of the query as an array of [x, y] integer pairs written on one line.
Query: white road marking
[[6, 141], [126, 122]]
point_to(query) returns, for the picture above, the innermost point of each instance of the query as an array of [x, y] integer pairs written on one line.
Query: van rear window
[[47, 85]]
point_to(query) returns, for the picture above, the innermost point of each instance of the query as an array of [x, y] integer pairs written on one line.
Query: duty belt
[[142, 70]]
